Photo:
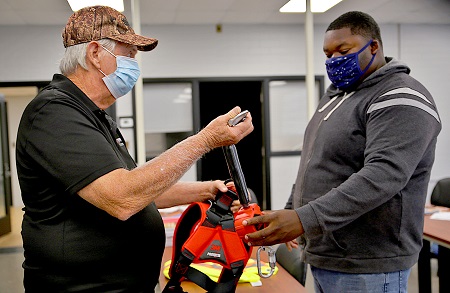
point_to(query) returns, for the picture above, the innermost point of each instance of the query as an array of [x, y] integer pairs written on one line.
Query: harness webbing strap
[[209, 285], [229, 278]]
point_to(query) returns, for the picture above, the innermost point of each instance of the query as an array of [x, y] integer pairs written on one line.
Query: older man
[[91, 222]]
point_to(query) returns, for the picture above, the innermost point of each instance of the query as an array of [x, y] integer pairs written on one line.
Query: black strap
[[220, 211], [229, 278], [173, 288], [206, 283]]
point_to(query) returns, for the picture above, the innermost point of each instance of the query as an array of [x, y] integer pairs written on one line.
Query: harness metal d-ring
[[272, 261]]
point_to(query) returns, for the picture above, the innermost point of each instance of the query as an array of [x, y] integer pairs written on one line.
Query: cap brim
[[142, 43]]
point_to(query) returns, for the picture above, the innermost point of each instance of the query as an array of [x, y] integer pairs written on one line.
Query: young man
[[91, 222], [367, 156]]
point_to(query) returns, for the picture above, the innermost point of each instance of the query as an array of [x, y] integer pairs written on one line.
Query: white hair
[[76, 55]]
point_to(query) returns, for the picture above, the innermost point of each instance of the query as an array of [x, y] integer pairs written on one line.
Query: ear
[[375, 46], [92, 54]]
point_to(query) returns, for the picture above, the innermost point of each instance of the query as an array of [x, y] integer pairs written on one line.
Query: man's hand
[[281, 226], [217, 133], [293, 244], [214, 187]]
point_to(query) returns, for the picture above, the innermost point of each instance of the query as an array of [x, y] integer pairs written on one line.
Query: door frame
[[5, 222], [216, 98]]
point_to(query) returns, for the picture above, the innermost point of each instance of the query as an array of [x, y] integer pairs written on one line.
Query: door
[[5, 173], [217, 98]]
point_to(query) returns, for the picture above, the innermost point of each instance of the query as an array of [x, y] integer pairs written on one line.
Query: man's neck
[[93, 86]]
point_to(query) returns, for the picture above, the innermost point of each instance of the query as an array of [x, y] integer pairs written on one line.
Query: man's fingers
[[233, 112], [254, 221], [261, 237], [264, 218], [253, 238]]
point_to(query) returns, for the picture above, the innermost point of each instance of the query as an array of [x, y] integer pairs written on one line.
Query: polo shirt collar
[[66, 85]]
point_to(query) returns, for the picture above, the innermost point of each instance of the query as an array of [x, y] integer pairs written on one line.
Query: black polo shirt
[[65, 142]]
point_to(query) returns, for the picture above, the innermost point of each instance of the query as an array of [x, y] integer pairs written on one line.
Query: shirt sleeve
[[67, 142]]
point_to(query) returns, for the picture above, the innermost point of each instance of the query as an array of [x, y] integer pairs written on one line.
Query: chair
[[292, 263], [253, 198], [441, 193]]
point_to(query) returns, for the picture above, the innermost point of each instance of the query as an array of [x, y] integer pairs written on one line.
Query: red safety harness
[[210, 232]]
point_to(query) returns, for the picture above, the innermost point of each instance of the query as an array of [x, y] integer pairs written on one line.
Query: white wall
[[29, 53], [425, 49], [32, 54]]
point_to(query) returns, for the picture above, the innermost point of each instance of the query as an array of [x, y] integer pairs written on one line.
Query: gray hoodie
[[364, 171]]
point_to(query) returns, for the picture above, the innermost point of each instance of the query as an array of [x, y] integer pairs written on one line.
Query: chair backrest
[[253, 198], [441, 193], [291, 262]]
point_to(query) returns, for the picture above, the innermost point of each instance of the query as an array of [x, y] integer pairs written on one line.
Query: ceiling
[[190, 12]]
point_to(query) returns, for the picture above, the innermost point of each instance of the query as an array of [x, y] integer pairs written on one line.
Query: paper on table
[[441, 216], [430, 209]]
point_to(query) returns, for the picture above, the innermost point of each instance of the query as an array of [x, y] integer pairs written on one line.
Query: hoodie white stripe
[[403, 102], [406, 90]]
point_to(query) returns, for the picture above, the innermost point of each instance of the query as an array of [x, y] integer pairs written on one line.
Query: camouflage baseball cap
[[103, 22]]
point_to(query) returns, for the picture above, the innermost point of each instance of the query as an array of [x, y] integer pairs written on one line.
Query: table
[[282, 281], [437, 231]]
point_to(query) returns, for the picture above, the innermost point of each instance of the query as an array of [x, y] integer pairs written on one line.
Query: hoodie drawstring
[[346, 96], [327, 104]]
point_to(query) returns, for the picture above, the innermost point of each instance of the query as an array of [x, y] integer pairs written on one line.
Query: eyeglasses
[[129, 55], [109, 51]]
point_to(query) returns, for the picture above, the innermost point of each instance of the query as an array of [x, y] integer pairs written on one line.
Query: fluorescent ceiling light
[[76, 5], [317, 6]]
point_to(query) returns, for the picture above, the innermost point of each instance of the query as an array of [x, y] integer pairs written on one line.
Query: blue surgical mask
[[121, 81], [344, 71]]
